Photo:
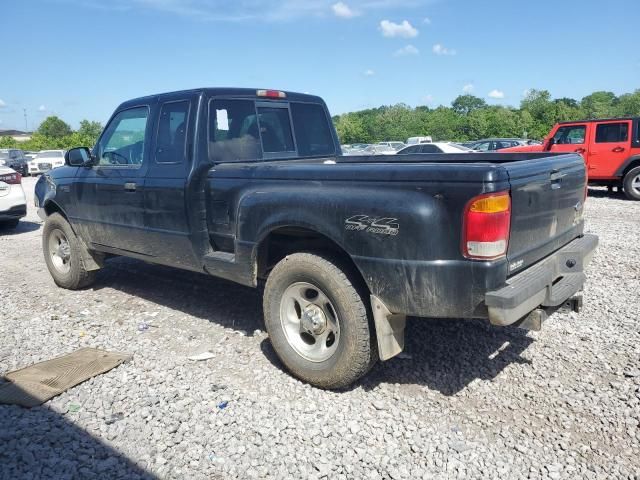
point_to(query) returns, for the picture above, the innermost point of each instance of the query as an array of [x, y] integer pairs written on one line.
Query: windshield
[[50, 154]]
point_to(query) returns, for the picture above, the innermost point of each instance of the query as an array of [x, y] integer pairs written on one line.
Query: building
[[17, 135]]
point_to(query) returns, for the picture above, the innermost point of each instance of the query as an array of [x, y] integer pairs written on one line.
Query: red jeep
[[611, 149]]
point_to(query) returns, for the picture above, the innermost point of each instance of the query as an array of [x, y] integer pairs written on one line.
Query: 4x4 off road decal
[[380, 226]]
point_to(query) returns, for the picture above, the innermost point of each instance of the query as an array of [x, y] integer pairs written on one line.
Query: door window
[[275, 130], [570, 134], [172, 130], [482, 147], [612, 132], [122, 143]]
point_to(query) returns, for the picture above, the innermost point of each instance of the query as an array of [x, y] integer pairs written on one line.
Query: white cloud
[[440, 49], [403, 30], [406, 51], [42, 108], [468, 88], [495, 93], [2, 104], [427, 21], [369, 73], [342, 10]]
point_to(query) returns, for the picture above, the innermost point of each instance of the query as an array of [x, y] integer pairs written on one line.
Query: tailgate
[[547, 202]]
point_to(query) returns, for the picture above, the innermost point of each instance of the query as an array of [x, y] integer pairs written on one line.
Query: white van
[[414, 140]]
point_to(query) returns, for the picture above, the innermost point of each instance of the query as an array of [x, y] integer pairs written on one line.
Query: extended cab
[[251, 185], [610, 147]]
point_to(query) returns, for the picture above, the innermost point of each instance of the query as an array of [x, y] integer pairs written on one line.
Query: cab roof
[[224, 91]]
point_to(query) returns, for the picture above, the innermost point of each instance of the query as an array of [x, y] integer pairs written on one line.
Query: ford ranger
[[251, 186]]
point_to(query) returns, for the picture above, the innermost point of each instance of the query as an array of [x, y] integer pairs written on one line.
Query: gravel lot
[[467, 401]]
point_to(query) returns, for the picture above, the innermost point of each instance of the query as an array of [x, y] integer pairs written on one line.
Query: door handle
[[130, 187], [580, 150], [618, 149], [556, 176]]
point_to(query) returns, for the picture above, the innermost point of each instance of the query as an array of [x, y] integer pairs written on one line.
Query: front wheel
[[63, 254], [318, 322], [631, 184]]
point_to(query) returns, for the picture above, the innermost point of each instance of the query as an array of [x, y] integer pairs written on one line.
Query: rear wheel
[[631, 184], [318, 322], [63, 254]]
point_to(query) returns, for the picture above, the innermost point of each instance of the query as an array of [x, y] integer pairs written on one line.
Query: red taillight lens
[[486, 224], [271, 94], [11, 178]]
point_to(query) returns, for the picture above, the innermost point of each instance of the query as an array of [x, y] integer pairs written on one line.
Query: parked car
[[414, 140], [13, 203], [610, 148], [348, 247], [15, 159], [434, 147], [45, 161], [494, 144], [395, 145], [378, 149]]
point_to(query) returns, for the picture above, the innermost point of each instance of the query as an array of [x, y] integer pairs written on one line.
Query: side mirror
[[78, 157]]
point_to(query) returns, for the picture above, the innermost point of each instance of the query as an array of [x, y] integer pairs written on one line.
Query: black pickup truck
[[250, 185]]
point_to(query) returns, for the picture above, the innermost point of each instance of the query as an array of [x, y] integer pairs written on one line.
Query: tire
[[631, 184], [63, 254], [10, 224], [327, 295]]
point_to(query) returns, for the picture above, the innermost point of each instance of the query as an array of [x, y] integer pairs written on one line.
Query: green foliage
[[86, 136], [470, 117], [54, 127]]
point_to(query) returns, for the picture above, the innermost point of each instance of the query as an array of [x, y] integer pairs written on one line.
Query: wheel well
[[52, 207], [634, 164], [287, 240]]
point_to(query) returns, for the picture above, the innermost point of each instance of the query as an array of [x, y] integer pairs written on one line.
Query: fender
[[621, 169]]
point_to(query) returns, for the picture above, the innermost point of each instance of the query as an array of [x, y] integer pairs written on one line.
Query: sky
[[79, 59]]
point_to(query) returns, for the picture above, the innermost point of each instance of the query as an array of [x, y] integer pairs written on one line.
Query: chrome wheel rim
[[60, 251], [310, 322], [635, 184]]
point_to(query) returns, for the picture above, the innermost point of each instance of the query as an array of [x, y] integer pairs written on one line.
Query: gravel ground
[[466, 401]]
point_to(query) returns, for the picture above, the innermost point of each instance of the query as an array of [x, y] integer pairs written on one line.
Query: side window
[[275, 130], [172, 129], [409, 150], [430, 149], [233, 131], [123, 142], [482, 147], [313, 136], [612, 132], [571, 134]]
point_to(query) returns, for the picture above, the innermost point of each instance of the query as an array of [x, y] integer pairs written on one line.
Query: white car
[[13, 202], [395, 145], [435, 147], [45, 161], [378, 150]]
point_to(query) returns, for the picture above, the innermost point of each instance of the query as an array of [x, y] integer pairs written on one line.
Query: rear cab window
[[244, 130]]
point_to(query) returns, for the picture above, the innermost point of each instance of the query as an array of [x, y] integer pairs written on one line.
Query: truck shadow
[[41, 443], [24, 226], [444, 355]]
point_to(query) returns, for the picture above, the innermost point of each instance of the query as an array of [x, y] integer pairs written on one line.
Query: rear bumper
[[548, 284]]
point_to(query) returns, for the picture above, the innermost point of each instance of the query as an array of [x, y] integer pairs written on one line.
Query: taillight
[[11, 178], [485, 230]]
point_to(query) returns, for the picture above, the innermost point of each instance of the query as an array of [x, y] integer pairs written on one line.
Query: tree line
[[55, 134], [470, 117]]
